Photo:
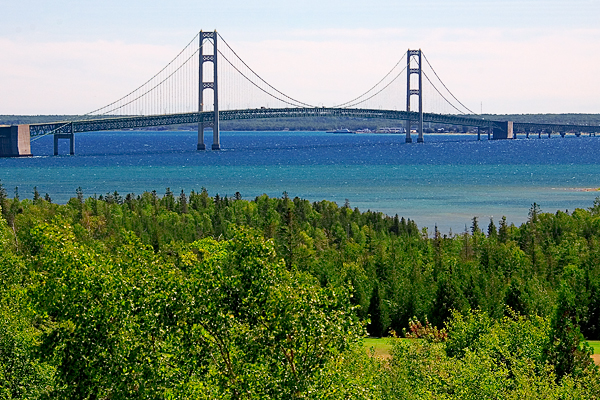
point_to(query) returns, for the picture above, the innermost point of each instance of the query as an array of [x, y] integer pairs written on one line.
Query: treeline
[[193, 296], [572, 119], [397, 271]]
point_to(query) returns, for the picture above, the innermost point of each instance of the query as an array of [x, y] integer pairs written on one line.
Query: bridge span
[[180, 86], [14, 140]]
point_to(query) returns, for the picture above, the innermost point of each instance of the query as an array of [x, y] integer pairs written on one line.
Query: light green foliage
[[268, 331], [484, 359], [200, 297], [22, 375], [220, 318]]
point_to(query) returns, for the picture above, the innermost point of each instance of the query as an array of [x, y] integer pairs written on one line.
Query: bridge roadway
[[12, 140], [116, 123], [130, 122]]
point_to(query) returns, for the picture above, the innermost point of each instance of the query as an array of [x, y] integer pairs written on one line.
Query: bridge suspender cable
[[259, 77], [149, 80], [147, 91], [373, 87], [436, 75], [258, 87], [436, 89], [376, 93]]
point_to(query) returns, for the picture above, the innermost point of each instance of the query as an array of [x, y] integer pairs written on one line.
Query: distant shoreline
[[585, 189]]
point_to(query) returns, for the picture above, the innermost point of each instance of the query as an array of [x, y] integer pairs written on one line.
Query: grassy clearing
[[595, 345], [383, 346]]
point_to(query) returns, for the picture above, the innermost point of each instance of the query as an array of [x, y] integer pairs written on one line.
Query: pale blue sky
[[511, 55]]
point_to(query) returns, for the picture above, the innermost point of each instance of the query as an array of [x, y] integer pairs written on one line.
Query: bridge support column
[[503, 130], [419, 92], [208, 85], [478, 134], [69, 136], [15, 141], [201, 145]]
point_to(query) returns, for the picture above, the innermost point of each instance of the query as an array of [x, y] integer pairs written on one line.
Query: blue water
[[445, 181]]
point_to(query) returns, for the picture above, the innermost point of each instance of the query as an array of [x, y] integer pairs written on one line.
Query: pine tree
[[475, 226], [183, 204], [567, 349], [492, 232], [36, 195], [375, 327], [503, 231], [79, 192]]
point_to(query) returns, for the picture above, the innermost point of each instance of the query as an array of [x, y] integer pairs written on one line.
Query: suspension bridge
[[176, 95]]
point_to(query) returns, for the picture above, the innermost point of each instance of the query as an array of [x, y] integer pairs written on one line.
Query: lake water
[[445, 181]]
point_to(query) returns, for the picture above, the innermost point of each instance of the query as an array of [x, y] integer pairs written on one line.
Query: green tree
[[492, 232], [566, 349]]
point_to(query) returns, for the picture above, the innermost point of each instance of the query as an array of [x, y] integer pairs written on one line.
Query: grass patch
[[382, 347]]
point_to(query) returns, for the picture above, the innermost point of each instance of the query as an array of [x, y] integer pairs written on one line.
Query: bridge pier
[[201, 145], [15, 141], [69, 136], [478, 134], [216, 140], [505, 131], [562, 134]]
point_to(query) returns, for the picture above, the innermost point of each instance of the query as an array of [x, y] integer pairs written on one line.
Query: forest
[[189, 296]]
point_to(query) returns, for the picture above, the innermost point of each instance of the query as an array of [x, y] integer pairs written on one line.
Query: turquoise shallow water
[[445, 181]]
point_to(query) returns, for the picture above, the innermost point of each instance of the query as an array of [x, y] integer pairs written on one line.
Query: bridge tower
[[204, 58], [410, 92]]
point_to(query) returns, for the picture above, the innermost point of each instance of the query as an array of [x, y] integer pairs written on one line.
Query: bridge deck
[[116, 123]]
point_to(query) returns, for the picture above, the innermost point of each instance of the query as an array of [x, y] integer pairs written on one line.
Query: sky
[[496, 56]]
